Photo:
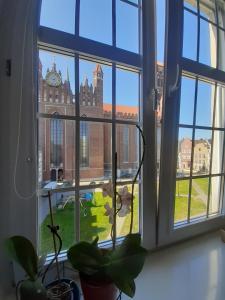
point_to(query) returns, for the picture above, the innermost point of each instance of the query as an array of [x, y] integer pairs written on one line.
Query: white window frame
[[175, 64], [51, 39]]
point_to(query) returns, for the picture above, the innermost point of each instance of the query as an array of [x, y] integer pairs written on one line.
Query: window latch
[[8, 67], [156, 99], [175, 87]]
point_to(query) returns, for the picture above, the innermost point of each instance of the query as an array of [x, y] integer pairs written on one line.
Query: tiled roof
[[125, 109]]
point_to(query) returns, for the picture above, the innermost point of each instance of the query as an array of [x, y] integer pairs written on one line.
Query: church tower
[[98, 85]]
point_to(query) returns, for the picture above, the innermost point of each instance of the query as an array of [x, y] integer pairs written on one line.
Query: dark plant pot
[[74, 294], [98, 290]]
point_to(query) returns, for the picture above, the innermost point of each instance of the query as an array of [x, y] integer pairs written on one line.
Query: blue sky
[[95, 23]]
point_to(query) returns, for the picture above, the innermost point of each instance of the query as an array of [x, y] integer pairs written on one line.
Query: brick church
[[57, 136]]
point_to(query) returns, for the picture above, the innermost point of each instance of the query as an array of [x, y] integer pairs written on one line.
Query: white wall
[[17, 214]]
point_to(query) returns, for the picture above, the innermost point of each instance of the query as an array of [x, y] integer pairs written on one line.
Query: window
[[91, 97], [84, 152], [192, 199]]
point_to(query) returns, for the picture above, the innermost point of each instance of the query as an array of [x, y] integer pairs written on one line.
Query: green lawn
[[198, 207], [93, 222]]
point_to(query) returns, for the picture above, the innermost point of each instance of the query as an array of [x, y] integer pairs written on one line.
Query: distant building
[[202, 153], [57, 136]]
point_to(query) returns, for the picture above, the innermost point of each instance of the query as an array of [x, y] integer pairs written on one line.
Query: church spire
[[67, 75]]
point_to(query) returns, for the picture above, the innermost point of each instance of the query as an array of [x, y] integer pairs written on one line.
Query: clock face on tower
[[53, 79]]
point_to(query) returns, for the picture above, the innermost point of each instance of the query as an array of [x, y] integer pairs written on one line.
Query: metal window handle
[[173, 88]]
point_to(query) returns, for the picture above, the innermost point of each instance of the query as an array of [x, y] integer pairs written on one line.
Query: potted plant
[[22, 251], [104, 272]]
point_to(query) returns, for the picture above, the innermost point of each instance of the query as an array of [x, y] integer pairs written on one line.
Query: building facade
[[57, 136]]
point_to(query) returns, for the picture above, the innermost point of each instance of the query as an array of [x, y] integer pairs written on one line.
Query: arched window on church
[[84, 144], [56, 128]]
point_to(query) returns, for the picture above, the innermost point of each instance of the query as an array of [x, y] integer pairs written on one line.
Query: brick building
[[57, 136]]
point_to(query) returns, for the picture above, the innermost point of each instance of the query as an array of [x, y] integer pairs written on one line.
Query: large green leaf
[[21, 250], [33, 290], [129, 257], [86, 257], [126, 285]]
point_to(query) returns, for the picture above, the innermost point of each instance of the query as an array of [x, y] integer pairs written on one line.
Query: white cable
[[19, 195]]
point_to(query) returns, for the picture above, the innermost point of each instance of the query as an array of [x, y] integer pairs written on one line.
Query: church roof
[[125, 109]]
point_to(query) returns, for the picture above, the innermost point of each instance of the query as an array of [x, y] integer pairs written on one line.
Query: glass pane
[[187, 100], [63, 216], [58, 15], [56, 154], [191, 5], [181, 201], [218, 150], [199, 197], [56, 84], [208, 44], [95, 90], [202, 152], [127, 142], [184, 152], [127, 95], [221, 58], [95, 152], [124, 215], [214, 204], [127, 27], [93, 219], [205, 104], [208, 10], [96, 20], [220, 107], [190, 36]]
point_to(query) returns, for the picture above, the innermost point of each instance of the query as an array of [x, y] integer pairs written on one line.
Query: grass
[[198, 207], [93, 222]]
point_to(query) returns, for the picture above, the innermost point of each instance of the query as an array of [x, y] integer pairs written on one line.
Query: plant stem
[[114, 202], [53, 235]]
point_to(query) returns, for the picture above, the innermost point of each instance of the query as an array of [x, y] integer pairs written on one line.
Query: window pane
[[205, 103], [56, 153], [191, 5], [218, 150], [63, 215], [187, 100], [202, 152], [96, 20], [127, 23], [56, 83], [95, 90], [181, 201], [199, 197], [58, 15], [208, 10], [127, 142], [127, 95], [124, 215], [208, 44], [214, 204], [95, 152], [184, 152], [190, 36], [93, 219]]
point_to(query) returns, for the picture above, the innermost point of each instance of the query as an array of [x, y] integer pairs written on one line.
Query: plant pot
[[93, 290], [65, 289]]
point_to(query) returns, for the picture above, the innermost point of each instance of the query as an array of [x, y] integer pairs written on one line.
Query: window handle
[[173, 88]]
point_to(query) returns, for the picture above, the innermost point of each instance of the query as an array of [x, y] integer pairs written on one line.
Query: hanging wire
[[120, 296]]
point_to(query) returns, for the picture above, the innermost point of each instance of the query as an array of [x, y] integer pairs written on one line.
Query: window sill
[[190, 270]]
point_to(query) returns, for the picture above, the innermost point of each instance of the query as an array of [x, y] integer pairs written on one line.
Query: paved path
[[201, 194]]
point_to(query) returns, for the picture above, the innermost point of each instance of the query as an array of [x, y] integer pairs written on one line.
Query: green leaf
[[22, 251], [95, 242], [33, 290], [86, 257], [129, 257], [126, 285]]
